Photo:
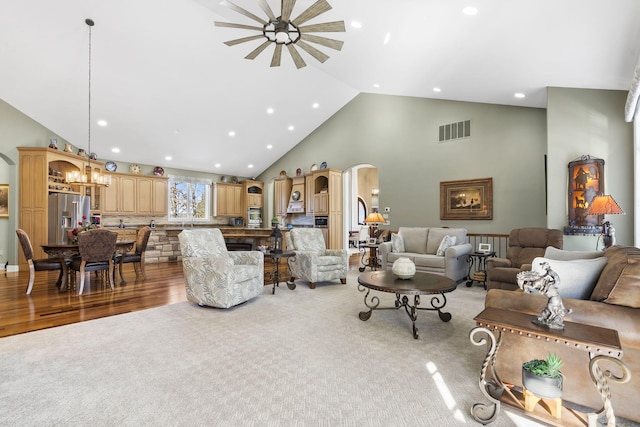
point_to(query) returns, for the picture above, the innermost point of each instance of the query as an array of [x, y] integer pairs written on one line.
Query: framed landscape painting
[[466, 199], [4, 200]]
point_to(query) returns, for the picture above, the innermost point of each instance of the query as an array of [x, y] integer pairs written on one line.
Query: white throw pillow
[[447, 241], [577, 277], [562, 255], [397, 243]]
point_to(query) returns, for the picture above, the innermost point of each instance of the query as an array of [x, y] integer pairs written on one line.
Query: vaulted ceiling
[[166, 84]]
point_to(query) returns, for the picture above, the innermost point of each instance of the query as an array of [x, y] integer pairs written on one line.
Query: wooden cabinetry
[[327, 201], [152, 195], [42, 171], [309, 201], [252, 197], [282, 194], [121, 196], [228, 199]]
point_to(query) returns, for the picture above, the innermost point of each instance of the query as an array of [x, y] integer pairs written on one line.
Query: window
[[189, 199]]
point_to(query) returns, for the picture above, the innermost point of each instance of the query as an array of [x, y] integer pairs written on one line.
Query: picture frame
[[484, 247], [466, 199], [4, 200], [372, 241]]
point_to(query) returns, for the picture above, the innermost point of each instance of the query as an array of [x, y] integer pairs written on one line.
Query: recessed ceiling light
[[315, 105], [168, 158], [376, 85], [217, 165], [232, 133], [269, 147], [470, 10], [356, 24], [387, 38], [437, 89], [270, 110], [291, 127], [250, 166], [102, 123], [115, 150], [519, 95]]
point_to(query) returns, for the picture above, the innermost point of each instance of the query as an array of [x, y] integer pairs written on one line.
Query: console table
[[601, 343]]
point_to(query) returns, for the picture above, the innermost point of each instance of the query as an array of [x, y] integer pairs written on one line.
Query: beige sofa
[[421, 244], [614, 303]]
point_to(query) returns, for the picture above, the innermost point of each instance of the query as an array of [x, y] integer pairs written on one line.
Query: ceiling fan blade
[[332, 43], [243, 40], [242, 11], [319, 7], [232, 25], [255, 52], [297, 59], [277, 55], [320, 56], [287, 8], [326, 27], [267, 9]]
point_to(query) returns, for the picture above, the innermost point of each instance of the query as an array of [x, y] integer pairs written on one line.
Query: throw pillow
[[560, 254], [577, 277], [397, 243], [447, 241]]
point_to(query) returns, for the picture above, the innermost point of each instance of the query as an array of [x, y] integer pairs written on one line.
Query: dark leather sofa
[[614, 303]]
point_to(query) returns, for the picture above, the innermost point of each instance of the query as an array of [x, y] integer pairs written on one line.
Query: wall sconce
[[605, 205]]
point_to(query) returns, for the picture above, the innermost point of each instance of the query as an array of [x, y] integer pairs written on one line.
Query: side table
[[373, 262], [275, 275], [602, 344], [477, 263]]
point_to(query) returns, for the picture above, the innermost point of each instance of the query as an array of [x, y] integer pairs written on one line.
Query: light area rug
[[296, 358]]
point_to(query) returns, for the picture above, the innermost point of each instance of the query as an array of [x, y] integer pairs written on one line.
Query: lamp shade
[[374, 218], [604, 205]]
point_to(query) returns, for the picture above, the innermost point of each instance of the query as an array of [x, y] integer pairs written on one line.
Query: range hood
[[296, 201]]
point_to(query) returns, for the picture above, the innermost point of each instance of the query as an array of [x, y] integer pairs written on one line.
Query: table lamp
[[373, 220], [605, 205]]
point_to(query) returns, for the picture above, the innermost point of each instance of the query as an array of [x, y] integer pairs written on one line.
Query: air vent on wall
[[455, 131]]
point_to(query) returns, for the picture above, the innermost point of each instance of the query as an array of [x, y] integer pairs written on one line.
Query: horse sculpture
[[546, 284]]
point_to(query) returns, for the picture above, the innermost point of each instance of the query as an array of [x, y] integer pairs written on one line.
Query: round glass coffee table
[[420, 284]]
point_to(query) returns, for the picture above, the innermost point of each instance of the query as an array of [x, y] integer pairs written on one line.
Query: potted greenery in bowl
[[542, 377]]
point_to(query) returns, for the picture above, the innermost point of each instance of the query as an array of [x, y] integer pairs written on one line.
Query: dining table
[[69, 250]]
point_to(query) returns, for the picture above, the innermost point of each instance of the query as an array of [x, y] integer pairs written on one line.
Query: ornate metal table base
[[437, 301], [493, 388], [275, 274]]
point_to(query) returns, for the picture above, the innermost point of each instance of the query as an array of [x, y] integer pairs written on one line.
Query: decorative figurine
[[546, 284], [53, 143]]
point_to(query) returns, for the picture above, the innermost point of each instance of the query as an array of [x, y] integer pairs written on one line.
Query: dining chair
[[39, 264], [136, 257], [96, 249]]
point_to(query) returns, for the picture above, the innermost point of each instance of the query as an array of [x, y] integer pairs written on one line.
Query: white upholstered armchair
[[313, 261], [217, 277]]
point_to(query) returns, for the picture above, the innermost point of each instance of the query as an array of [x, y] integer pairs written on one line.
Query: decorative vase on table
[[403, 268]]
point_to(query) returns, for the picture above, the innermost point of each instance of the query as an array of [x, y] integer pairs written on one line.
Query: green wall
[[399, 135], [590, 122]]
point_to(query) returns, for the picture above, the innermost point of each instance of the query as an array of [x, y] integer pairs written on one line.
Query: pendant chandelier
[[89, 178]]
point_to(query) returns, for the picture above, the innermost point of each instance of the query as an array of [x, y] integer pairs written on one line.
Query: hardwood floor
[[46, 307]]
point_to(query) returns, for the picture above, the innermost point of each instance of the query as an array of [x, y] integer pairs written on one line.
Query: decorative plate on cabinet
[[323, 165], [110, 166], [234, 180], [158, 171], [134, 168], [314, 167]]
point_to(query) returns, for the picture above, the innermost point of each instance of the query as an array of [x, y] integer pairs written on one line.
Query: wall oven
[[254, 217]]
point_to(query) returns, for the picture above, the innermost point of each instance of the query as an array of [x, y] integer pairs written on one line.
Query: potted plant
[[542, 377]]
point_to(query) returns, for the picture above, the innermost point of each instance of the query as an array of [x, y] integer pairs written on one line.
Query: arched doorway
[[360, 185]]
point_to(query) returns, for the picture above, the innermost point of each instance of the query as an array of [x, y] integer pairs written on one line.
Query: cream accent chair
[[216, 277], [313, 261]]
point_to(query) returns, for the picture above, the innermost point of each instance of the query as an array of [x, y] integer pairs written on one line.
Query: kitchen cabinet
[[152, 195], [252, 197], [327, 201], [308, 188], [282, 193], [120, 197], [228, 199]]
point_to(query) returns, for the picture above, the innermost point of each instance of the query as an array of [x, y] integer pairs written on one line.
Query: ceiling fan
[[284, 31]]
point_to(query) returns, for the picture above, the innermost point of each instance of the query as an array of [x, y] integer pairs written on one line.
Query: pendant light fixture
[[90, 178]]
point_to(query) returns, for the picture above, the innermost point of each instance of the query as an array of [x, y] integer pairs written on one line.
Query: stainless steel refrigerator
[[65, 212]]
